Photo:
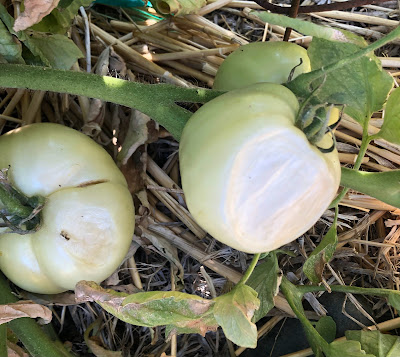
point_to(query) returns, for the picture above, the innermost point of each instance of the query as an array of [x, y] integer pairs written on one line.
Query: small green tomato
[[88, 218], [261, 62], [250, 177]]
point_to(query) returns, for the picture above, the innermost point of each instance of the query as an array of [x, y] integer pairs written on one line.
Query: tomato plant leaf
[[265, 281], [59, 20], [10, 47], [390, 130], [326, 327], [346, 349], [315, 264], [394, 299], [234, 311], [383, 186], [56, 51], [188, 313], [376, 343], [311, 29], [350, 85]]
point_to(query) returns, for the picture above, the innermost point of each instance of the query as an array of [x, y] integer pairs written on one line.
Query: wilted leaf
[[136, 136], [94, 343], [314, 265], [16, 310], [376, 343], [265, 281], [34, 11], [177, 7], [184, 311], [234, 311], [390, 130]]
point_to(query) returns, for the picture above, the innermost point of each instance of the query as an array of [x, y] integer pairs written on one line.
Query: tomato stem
[[18, 209], [366, 139], [159, 101], [250, 269], [29, 332]]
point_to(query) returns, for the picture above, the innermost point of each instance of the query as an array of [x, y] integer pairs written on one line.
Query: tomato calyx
[[21, 214]]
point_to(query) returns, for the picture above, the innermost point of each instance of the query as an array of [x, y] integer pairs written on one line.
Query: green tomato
[[88, 218], [250, 177], [261, 62]]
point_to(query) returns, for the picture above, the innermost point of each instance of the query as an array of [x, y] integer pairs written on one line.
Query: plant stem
[[3, 340], [250, 269], [13, 205], [28, 331], [366, 139], [346, 289], [294, 296], [158, 101]]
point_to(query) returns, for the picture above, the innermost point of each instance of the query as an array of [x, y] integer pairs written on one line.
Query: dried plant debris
[[170, 251]]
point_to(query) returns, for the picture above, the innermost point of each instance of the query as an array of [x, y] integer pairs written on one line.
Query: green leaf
[[311, 29], [346, 349], [234, 311], [10, 48], [326, 327], [315, 264], [394, 299], [185, 312], [383, 186], [390, 130], [351, 84], [59, 20], [265, 281], [56, 51], [376, 343]]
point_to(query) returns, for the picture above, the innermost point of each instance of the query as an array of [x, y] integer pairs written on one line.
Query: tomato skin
[[250, 177], [261, 62], [87, 221]]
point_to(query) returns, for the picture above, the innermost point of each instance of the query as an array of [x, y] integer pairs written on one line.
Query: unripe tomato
[[261, 62], [250, 177], [88, 218]]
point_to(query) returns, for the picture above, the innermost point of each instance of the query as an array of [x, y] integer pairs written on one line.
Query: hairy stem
[[28, 331], [158, 100]]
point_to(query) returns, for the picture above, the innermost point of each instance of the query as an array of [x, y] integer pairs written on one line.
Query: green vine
[[159, 101]]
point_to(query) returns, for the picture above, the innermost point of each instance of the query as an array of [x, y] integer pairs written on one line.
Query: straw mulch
[[170, 251]]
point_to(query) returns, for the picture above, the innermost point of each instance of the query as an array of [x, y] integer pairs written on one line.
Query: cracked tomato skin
[[250, 177], [261, 62], [88, 218]]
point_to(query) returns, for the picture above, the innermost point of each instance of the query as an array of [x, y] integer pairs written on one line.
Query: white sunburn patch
[[269, 210]]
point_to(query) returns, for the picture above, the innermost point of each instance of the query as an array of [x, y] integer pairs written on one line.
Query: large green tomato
[[88, 218], [261, 62], [250, 177]]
